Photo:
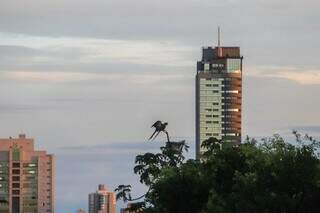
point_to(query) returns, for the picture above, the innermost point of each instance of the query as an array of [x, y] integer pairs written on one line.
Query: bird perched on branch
[[159, 127]]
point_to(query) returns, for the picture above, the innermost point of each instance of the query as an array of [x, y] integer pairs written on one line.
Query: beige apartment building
[[102, 201], [26, 177], [218, 96]]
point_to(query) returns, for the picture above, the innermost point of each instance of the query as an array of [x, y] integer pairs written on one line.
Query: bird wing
[[156, 134], [152, 134], [156, 124]]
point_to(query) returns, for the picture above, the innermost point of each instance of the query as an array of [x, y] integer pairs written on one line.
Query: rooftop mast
[[219, 43], [218, 36]]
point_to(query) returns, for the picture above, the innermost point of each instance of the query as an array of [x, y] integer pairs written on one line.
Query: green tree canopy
[[270, 176]]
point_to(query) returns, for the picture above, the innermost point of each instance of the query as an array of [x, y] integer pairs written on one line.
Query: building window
[[16, 154], [234, 65], [16, 165], [15, 178], [15, 185], [232, 91], [206, 67], [232, 110], [16, 192], [16, 171], [231, 134]]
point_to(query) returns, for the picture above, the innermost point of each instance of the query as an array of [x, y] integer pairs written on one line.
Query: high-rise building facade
[[102, 201], [218, 95], [26, 177]]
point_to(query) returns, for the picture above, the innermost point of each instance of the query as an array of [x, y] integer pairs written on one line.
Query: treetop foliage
[[268, 176]]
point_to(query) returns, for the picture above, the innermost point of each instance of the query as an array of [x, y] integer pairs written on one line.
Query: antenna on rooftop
[[219, 37], [219, 43]]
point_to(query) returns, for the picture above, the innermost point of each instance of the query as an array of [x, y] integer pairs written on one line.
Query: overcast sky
[[87, 78]]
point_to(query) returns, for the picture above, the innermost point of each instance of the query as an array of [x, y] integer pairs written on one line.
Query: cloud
[[118, 147], [147, 19], [20, 108], [113, 148], [51, 76], [304, 76], [67, 50], [16, 51], [273, 105]]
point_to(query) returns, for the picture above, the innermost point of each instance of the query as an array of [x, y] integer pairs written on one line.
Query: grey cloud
[[21, 108], [99, 57], [273, 104], [16, 51], [15, 56], [115, 147], [127, 18]]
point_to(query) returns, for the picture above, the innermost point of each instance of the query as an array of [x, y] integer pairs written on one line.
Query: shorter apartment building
[[26, 177]]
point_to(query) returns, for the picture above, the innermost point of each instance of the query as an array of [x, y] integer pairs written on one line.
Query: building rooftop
[[210, 53]]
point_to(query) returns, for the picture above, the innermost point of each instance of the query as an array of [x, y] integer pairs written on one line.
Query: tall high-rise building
[[26, 177], [218, 95], [102, 201]]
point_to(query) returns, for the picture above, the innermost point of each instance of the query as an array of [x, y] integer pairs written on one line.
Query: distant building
[[102, 201], [218, 95], [26, 177], [80, 211]]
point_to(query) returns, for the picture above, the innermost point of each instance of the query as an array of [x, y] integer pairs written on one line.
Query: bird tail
[[152, 135]]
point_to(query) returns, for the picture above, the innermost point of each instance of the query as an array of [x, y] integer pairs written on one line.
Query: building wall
[[26, 177], [4, 184], [102, 201]]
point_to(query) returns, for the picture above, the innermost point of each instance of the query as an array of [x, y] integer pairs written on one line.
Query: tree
[[268, 176]]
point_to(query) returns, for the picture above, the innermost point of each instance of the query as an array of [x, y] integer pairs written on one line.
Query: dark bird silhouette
[[159, 127]]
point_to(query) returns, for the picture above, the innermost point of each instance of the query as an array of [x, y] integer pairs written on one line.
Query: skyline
[[60, 65]]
